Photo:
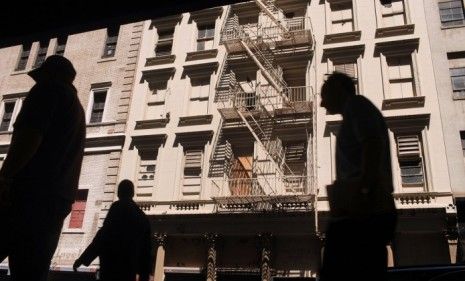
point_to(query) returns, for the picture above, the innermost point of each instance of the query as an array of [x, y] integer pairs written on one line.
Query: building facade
[[448, 54], [214, 115]]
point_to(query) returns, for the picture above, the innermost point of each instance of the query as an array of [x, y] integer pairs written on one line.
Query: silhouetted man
[[123, 242], [363, 215], [40, 175]]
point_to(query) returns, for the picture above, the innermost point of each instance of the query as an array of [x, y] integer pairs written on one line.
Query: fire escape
[[274, 184]]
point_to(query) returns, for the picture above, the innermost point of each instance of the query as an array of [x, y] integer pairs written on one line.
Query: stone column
[[390, 256], [159, 273], [211, 239], [265, 267]]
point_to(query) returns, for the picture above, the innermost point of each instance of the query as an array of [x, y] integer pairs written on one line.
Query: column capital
[[160, 238], [211, 238]]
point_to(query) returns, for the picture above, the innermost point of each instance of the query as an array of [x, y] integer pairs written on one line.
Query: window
[[348, 67], [61, 46], [206, 35], [457, 76], [451, 12], [156, 100], [98, 105], [200, 89], [7, 116], [401, 80], [165, 43], [24, 57], [10, 109], [192, 175], [411, 162], [146, 172], [41, 54], [341, 17], [78, 209], [110, 42], [393, 13]]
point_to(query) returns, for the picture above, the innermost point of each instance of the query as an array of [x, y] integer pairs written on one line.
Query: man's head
[[54, 68], [337, 88], [125, 190]]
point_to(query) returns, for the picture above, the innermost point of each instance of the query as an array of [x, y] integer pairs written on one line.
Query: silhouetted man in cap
[[40, 175], [362, 210], [123, 243]]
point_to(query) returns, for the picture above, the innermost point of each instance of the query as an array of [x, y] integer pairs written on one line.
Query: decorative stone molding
[[397, 46], [206, 15], [158, 75], [166, 22], [200, 70], [160, 238], [153, 123], [160, 60], [147, 141], [399, 103], [395, 30], [195, 120], [200, 55], [342, 37]]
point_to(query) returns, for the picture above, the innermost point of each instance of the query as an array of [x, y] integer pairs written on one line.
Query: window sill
[[19, 72], [73, 231], [151, 124], [160, 60], [195, 120], [402, 103], [6, 133], [200, 55], [458, 95], [342, 37], [101, 124], [102, 60], [395, 30], [453, 26]]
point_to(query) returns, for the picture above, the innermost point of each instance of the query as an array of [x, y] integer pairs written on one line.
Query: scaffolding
[[273, 185]]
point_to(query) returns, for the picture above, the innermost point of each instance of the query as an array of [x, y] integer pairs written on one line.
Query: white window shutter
[[408, 146], [193, 158]]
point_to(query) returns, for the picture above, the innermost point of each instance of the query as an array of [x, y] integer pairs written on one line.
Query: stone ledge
[[395, 30], [342, 37], [160, 60], [153, 123], [200, 55], [403, 103], [195, 120]]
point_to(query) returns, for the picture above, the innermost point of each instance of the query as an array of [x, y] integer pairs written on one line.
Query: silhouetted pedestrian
[[123, 243], [363, 215], [40, 175]]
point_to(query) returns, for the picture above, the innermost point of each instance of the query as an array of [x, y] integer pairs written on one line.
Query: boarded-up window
[[78, 209], [192, 177], [393, 13], [401, 78], [342, 17]]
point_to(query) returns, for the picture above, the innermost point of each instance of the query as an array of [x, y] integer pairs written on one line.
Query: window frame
[[23, 58], [385, 72], [163, 42], [444, 23], [205, 28], [111, 43], [72, 214], [18, 102], [90, 106]]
